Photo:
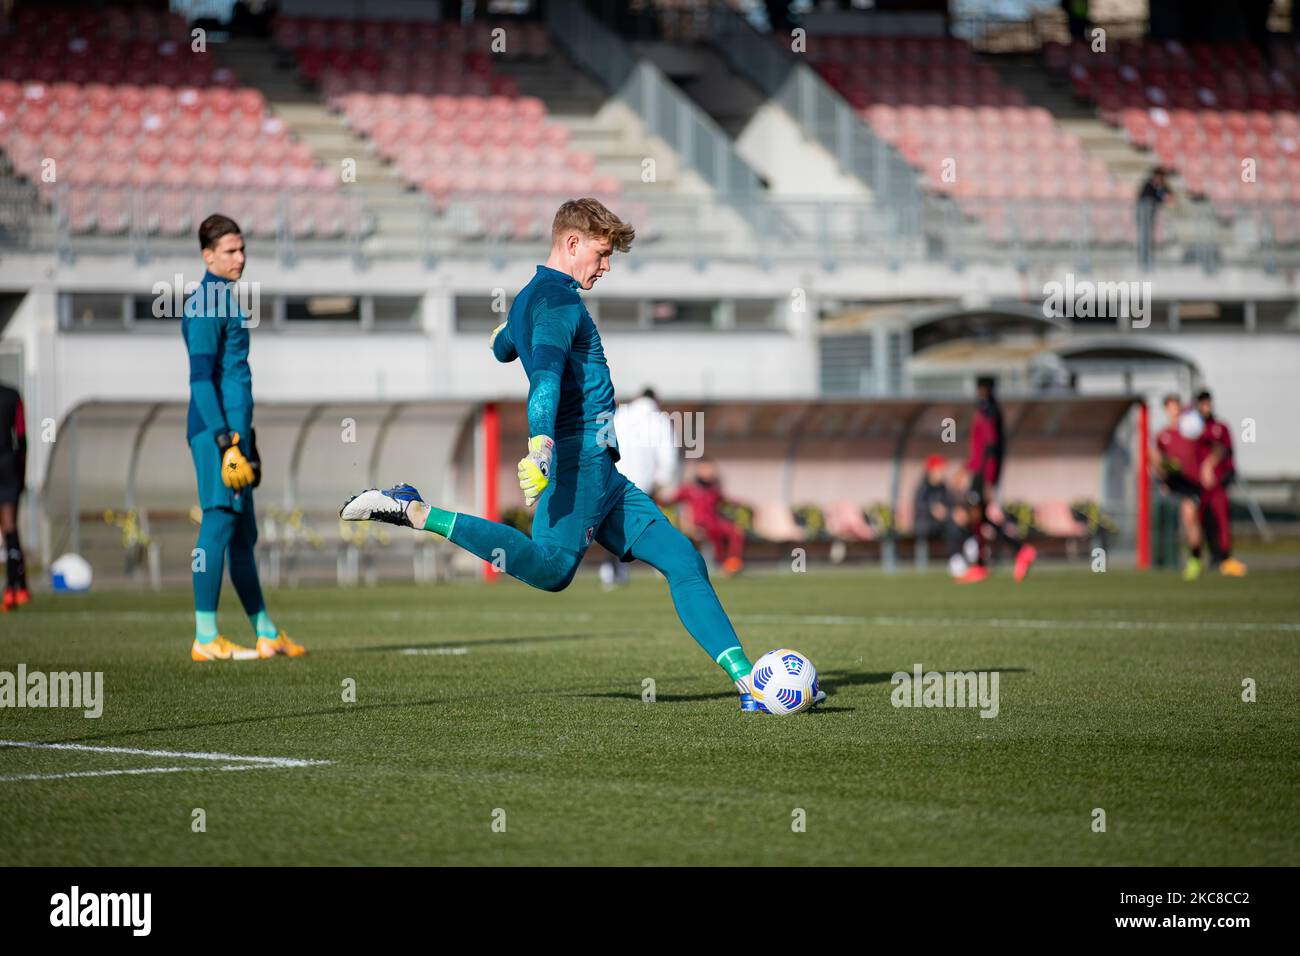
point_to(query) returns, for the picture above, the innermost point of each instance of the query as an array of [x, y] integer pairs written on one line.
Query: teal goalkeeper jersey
[[221, 384], [570, 394]]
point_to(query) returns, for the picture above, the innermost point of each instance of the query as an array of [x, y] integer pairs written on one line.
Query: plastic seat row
[[986, 117], [361, 106], [110, 98], [521, 38], [177, 212], [334, 84], [110, 23], [930, 51], [1208, 58]]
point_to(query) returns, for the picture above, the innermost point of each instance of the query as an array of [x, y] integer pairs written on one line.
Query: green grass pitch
[[1118, 691]]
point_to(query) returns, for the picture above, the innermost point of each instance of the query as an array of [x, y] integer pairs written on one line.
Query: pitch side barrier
[[119, 487], [838, 478], [834, 477]]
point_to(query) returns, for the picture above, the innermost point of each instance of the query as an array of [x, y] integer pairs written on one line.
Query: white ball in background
[[71, 573], [1191, 424]]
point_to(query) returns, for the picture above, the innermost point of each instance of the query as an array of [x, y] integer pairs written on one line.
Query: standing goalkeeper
[[569, 472], [222, 442]]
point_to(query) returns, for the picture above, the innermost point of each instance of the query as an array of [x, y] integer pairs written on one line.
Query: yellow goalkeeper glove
[[236, 472], [535, 470]]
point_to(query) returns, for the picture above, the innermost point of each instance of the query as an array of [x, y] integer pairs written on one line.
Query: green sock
[[205, 626], [440, 522], [735, 663], [262, 624]]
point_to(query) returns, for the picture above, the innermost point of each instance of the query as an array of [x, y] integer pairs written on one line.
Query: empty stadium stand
[[113, 116], [1222, 115]]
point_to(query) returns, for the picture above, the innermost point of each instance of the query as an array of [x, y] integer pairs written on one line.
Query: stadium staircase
[[457, 152], [613, 136], [736, 75], [397, 226], [1025, 72], [707, 79], [706, 197]]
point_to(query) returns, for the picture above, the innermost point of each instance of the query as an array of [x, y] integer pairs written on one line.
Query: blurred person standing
[[13, 482], [1154, 193], [984, 471], [1218, 470], [1177, 465]]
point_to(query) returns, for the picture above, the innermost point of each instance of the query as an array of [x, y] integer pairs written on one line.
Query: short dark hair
[[650, 394], [985, 381], [1171, 397], [214, 227], [1204, 395]]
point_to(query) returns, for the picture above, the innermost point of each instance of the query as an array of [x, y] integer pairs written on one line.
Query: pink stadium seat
[[775, 522], [1055, 519], [844, 520]]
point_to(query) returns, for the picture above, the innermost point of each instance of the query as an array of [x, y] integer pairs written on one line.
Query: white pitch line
[[1010, 623], [187, 755], [435, 650], [117, 773]]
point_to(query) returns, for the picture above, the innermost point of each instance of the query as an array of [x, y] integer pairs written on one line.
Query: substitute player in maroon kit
[[1178, 467], [703, 496], [1217, 472], [984, 470]]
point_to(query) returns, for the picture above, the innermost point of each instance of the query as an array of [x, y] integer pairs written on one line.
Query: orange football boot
[[221, 649], [281, 644]]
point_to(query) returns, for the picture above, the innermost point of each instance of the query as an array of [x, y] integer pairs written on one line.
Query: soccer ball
[[71, 573], [784, 682], [1191, 424]]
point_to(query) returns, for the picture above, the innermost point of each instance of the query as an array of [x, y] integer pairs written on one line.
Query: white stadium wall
[[65, 369], [1253, 374]]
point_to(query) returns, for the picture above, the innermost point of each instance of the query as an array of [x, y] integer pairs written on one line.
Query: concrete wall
[[1254, 375]]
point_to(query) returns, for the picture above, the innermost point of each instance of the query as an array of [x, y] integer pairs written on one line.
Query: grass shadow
[[236, 721], [835, 679]]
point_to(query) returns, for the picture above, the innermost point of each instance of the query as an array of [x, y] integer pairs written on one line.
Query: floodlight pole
[[491, 452], [1143, 491]]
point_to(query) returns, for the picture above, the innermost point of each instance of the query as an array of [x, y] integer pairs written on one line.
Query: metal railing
[[666, 111], [695, 229], [146, 221], [819, 111]]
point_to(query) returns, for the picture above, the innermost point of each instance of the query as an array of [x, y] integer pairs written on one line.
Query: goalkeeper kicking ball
[[784, 682]]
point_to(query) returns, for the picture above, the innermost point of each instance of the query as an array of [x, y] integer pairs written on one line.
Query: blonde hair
[[592, 219]]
